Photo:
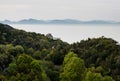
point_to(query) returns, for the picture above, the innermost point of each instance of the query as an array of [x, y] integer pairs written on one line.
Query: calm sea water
[[74, 33]]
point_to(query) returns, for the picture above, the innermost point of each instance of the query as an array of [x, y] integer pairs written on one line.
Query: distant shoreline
[[60, 22]]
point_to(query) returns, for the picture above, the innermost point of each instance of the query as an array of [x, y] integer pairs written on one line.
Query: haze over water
[[74, 33]]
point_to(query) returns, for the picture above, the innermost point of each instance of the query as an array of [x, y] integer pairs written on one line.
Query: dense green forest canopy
[[29, 56]]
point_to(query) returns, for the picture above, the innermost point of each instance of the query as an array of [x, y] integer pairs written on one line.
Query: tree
[[90, 76], [37, 55], [26, 69], [73, 68], [108, 78], [19, 49]]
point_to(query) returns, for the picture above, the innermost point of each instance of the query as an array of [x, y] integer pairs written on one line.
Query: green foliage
[[29, 56], [93, 76], [108, 78], [68, 57], [19, 49], [102, 52], [73, 68], [12, 69], [30, 51], [37, 55], [26, 69]]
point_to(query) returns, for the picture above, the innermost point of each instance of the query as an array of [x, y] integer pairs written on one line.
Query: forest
[[30, 56]]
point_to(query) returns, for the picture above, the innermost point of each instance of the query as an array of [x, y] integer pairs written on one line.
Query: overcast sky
[[60, 9]]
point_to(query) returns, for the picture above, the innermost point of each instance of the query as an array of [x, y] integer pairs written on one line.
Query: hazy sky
[[60, 9]]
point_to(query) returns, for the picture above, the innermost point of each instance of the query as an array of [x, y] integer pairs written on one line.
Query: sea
[[74, 33]]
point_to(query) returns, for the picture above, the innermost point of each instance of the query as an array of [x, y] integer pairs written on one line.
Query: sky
[[60, 9]]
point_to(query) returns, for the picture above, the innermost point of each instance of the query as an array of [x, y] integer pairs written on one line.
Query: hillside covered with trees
[[29, 56]]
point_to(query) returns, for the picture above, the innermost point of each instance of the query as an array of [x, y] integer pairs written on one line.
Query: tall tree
[[73, 68]]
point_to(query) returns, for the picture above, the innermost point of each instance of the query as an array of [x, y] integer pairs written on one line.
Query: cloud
[[50, 9], [18, 6]]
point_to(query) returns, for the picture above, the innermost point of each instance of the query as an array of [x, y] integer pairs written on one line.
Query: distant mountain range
[[57, 21]]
